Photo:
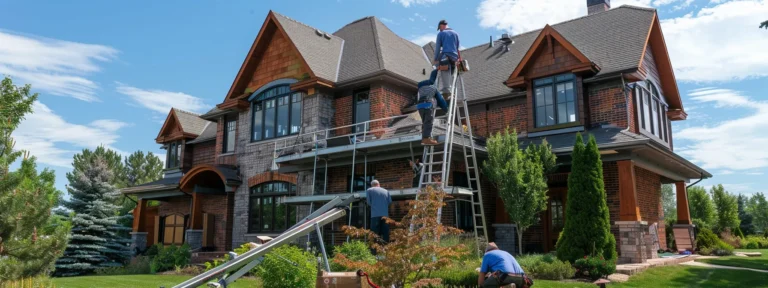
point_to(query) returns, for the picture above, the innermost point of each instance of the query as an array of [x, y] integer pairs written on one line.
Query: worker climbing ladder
[[436, 159]]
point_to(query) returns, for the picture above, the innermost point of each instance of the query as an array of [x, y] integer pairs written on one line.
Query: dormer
[[179, 128]]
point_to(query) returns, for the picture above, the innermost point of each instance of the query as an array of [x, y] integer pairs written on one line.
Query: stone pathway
[[632, 269], [707, 265]]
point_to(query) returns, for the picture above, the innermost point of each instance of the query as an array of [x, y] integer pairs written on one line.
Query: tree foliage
[[701, 207], [669, 202], [519, 177], [409, 256], [745, 218], [764, 24], [97, 238], [30, 238], [142, 168], [758, 208], [727, 209], [587, 229], [114, 161]]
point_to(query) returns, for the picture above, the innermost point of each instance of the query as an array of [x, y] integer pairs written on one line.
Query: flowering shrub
[[594, 267]]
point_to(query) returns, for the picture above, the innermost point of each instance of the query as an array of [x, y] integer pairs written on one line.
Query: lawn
[[686, 276], [746, 262], [126, 281]]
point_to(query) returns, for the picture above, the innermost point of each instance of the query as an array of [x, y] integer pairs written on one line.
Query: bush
[[139, 265], [168, 258], [730, 238], [723, 249], [456, 276], [152, 251], [546, 267], [36, 282], [752, 245], [288, 266], [355, 251], [594, 267], [706, 239], [762, 242], [738, 232]]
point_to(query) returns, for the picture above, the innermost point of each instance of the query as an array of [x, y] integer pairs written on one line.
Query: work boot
[[428, 142]]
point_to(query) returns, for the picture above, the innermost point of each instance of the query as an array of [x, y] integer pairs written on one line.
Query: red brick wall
[[271, 176], [492, 118], [217, 205], [203, 153], [280, 60], [649, 199], [176, 205], [608, 105], [392, 174], [342, 116], [388, 101], [611, 181], [228, 159]]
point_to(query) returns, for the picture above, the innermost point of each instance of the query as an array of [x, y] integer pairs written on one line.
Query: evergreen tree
[[519, 178], [142, 168], [764, 24], [700, 206], [28, 243], [587, 228], [758, 208], [727, 209], [96, 239], [83, 160], [746, 219], [669, 203]]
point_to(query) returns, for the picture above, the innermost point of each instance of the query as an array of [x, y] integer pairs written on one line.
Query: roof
[[603, 136], [320, 50], [209, 133], [370, 47], [614, 40], [191, 122]]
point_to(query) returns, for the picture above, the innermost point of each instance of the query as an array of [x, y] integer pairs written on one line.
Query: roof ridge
[[377, 43], [191, 113], [353, 22], [303, 24]]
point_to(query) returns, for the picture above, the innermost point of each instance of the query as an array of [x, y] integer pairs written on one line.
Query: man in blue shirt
[[428, 98], [378, 199], [499, 268], [446, 54]]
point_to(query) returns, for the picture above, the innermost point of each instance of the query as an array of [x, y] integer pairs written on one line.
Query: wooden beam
[[628, 208], [138, 217], [683, 214], [197, 211]]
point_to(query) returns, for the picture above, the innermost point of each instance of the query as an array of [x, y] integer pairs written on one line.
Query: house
[[279, 144]]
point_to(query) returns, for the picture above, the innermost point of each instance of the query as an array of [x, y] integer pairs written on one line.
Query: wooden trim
[[184, 184], [549, 34], [683, 213], [628, 208], [271, 19], [208, 229], [157, 229], [163, 135], [522, 81], [311, 83], [196, 217], [234, 104], [138, 217], [645, 46], [664, 65], [675, 115]]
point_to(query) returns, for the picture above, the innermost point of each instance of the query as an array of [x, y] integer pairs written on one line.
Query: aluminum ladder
[[436, 159]]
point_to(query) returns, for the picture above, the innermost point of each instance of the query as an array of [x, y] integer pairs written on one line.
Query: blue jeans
[[380, 227], [445, 76]]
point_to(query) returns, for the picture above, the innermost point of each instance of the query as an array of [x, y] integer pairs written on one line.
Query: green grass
[[136, 281], [687, 276], [746, 262]]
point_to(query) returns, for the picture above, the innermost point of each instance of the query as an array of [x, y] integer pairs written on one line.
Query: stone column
[[194, 238], [138, 242], [506, 237], [633, 241]]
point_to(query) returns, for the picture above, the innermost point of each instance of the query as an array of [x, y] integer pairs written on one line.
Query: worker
[[500, 268], [428, 97], [379, 199], [446, 55]]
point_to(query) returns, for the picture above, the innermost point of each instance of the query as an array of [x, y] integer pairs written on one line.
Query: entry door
[[555, 216]]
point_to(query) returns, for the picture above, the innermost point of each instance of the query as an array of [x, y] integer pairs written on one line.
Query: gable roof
[[321, 50], [181, 124], [371, 47], [614, 40], [191, 122]]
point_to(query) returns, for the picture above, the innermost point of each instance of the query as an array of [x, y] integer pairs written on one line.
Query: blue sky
[[109, 71]]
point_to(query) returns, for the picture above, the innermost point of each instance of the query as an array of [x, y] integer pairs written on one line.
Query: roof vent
[[491, 44], [506, 38], [327, 36], [318, 32]]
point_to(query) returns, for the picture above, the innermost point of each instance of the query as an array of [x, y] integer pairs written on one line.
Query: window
[[173, 230], [174, 155], [361, 182], [229, 136], [267, 209], [276, 113], [463, 208], [554, 100], [360, 215], [362, 109], [652, 112]]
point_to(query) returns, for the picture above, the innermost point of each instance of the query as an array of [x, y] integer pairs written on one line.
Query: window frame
[[275, 197], [173, 155], [262, 98], [227, 134], [355, 94], [183, 226], [552, 82], [654, 126]]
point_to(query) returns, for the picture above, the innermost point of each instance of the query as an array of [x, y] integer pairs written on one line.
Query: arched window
[[276, 113], [267, 212], [173, 229]]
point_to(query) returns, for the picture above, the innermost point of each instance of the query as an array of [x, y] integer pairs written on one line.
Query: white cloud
[[408, 3], [43, 133], [162, 101], [420, 17], [754, 173], [737, 144], [54, 66], [726, 172], [386, 20], [424, 39], [719, 43]]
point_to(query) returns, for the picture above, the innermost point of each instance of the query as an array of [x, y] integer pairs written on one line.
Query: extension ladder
[[436, 159]]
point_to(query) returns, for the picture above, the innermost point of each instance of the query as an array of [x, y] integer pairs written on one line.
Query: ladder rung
[[434, 172], [470, 179], [433, 163]]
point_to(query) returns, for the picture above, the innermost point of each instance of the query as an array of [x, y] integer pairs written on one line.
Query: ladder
[[437, 159]]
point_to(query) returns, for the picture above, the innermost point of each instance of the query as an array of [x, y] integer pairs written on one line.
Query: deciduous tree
[[727, 209], [746, 225], [758, 208], [669, 203], [701, 207]]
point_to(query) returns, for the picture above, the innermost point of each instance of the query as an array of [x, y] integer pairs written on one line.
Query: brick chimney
[[597, 6]]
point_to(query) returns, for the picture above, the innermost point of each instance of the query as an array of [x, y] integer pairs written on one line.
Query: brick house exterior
[[269, 152]]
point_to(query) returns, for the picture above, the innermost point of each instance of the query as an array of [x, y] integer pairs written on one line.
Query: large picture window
[[652, 111], [276, 113], [173, 157], [554, 99], [268, 212]]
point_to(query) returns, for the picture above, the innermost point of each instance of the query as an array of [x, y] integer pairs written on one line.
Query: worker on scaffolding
[[428, 98], [446, 55]]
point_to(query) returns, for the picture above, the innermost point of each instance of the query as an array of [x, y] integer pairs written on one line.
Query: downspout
[[697, 182]]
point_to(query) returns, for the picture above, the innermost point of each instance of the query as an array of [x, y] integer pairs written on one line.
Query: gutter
[[697, 181]]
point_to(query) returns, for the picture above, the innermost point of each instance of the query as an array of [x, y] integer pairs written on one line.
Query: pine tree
[[142, 168], [96, 239], [587, 229], [29, 242], [113, 160], [727, 209], [746, 219], [701, 207]]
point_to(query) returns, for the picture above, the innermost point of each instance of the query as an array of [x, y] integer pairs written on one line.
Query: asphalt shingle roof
[[191, 122], [209, 133], [321, 52], [603, 136]]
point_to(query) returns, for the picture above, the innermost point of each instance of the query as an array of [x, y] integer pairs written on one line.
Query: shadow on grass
[[735, 261], [686, 276]]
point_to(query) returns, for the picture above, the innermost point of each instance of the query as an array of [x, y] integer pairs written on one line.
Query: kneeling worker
[[428, 97], [500, 268]]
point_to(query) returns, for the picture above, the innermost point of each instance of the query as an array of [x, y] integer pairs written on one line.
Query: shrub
[[152, 251], [36, 282], [216, 262], [738, 232], [730, 238], [705, 251], [762, 242], [355, 251], [546, 267], [723, 249], [456, 276], [140, 265], [752, 245], [706, 239], [288, 266], [170, 257], [594, 267]]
